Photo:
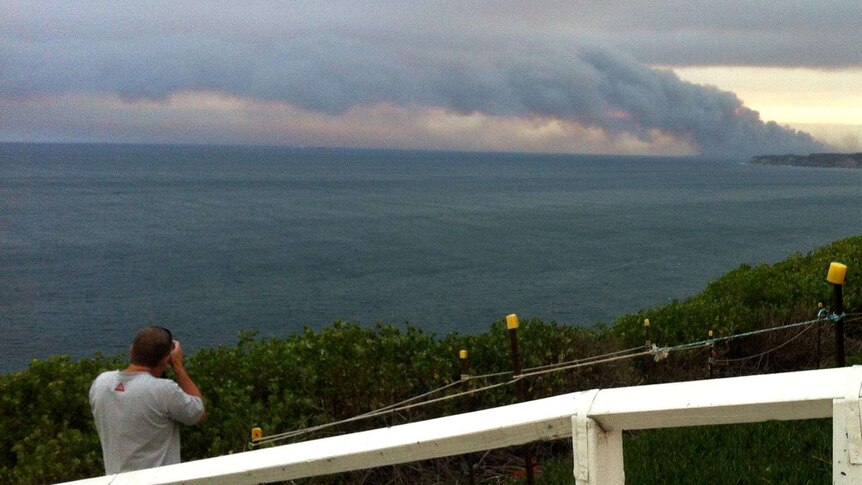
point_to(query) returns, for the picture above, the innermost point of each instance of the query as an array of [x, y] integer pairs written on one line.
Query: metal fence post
[[836, 276], [512, 325]]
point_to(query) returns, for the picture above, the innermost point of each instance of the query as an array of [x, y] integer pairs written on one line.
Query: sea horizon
[[693, 157]]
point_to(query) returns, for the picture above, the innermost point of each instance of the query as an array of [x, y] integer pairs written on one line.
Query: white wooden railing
[[594, 419]]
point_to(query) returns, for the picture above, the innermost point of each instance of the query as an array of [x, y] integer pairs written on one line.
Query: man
[[138, 413]]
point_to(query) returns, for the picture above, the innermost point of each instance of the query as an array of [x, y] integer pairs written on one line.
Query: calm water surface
[[99, 240]]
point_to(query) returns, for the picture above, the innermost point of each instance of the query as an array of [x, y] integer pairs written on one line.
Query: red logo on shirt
[[120, 388]]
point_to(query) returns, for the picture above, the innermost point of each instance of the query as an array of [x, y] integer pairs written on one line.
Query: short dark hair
[[151, 345]]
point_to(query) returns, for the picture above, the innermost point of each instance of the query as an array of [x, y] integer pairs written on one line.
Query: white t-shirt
[[137, 418]]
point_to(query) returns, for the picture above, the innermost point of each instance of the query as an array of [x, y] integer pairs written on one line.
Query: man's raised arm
[[183, 379]]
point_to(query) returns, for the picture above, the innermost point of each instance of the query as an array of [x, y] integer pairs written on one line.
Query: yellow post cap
[[462, 354], [710, 333], [837, 273], [646, 322], [256, 434], [512, 321]]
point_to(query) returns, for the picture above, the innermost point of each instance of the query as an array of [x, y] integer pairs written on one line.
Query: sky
[[731, 78]]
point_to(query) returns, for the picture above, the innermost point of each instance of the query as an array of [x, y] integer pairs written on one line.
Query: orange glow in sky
[[826, 103]]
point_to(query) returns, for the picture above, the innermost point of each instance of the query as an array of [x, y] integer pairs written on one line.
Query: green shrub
[[786, 291], [46, 427], [318, 377]]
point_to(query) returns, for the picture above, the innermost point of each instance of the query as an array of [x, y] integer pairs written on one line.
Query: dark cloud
[[512, 59], [815, 34]]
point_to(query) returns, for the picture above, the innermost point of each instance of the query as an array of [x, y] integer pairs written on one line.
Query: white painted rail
[[594, 419]]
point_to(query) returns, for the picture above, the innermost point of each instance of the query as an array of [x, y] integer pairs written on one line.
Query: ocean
[[97, 241]]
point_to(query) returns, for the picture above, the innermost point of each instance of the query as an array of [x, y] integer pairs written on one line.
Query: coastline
[[825, 160]]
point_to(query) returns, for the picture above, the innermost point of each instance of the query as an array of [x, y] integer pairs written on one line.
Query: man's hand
[[176, 360]]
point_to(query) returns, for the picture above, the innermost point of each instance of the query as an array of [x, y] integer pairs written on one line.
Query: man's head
[[151, 346]]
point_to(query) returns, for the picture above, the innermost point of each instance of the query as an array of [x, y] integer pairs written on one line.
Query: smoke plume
[[332, 73]]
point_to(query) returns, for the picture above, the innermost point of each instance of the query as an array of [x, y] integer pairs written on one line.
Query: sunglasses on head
[[170, 335], [171, 340]]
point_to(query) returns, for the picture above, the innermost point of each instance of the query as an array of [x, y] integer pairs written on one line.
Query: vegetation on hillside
[[319, 377], [830, 160]]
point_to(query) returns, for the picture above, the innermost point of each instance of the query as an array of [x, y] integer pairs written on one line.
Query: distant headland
[[831, 160]]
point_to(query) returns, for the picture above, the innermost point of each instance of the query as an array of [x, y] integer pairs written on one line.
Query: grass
[[776, 452]]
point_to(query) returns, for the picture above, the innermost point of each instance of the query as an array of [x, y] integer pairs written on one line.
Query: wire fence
[[650, 350]]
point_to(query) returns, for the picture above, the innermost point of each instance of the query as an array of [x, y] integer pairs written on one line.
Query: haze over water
[[99, 240]]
